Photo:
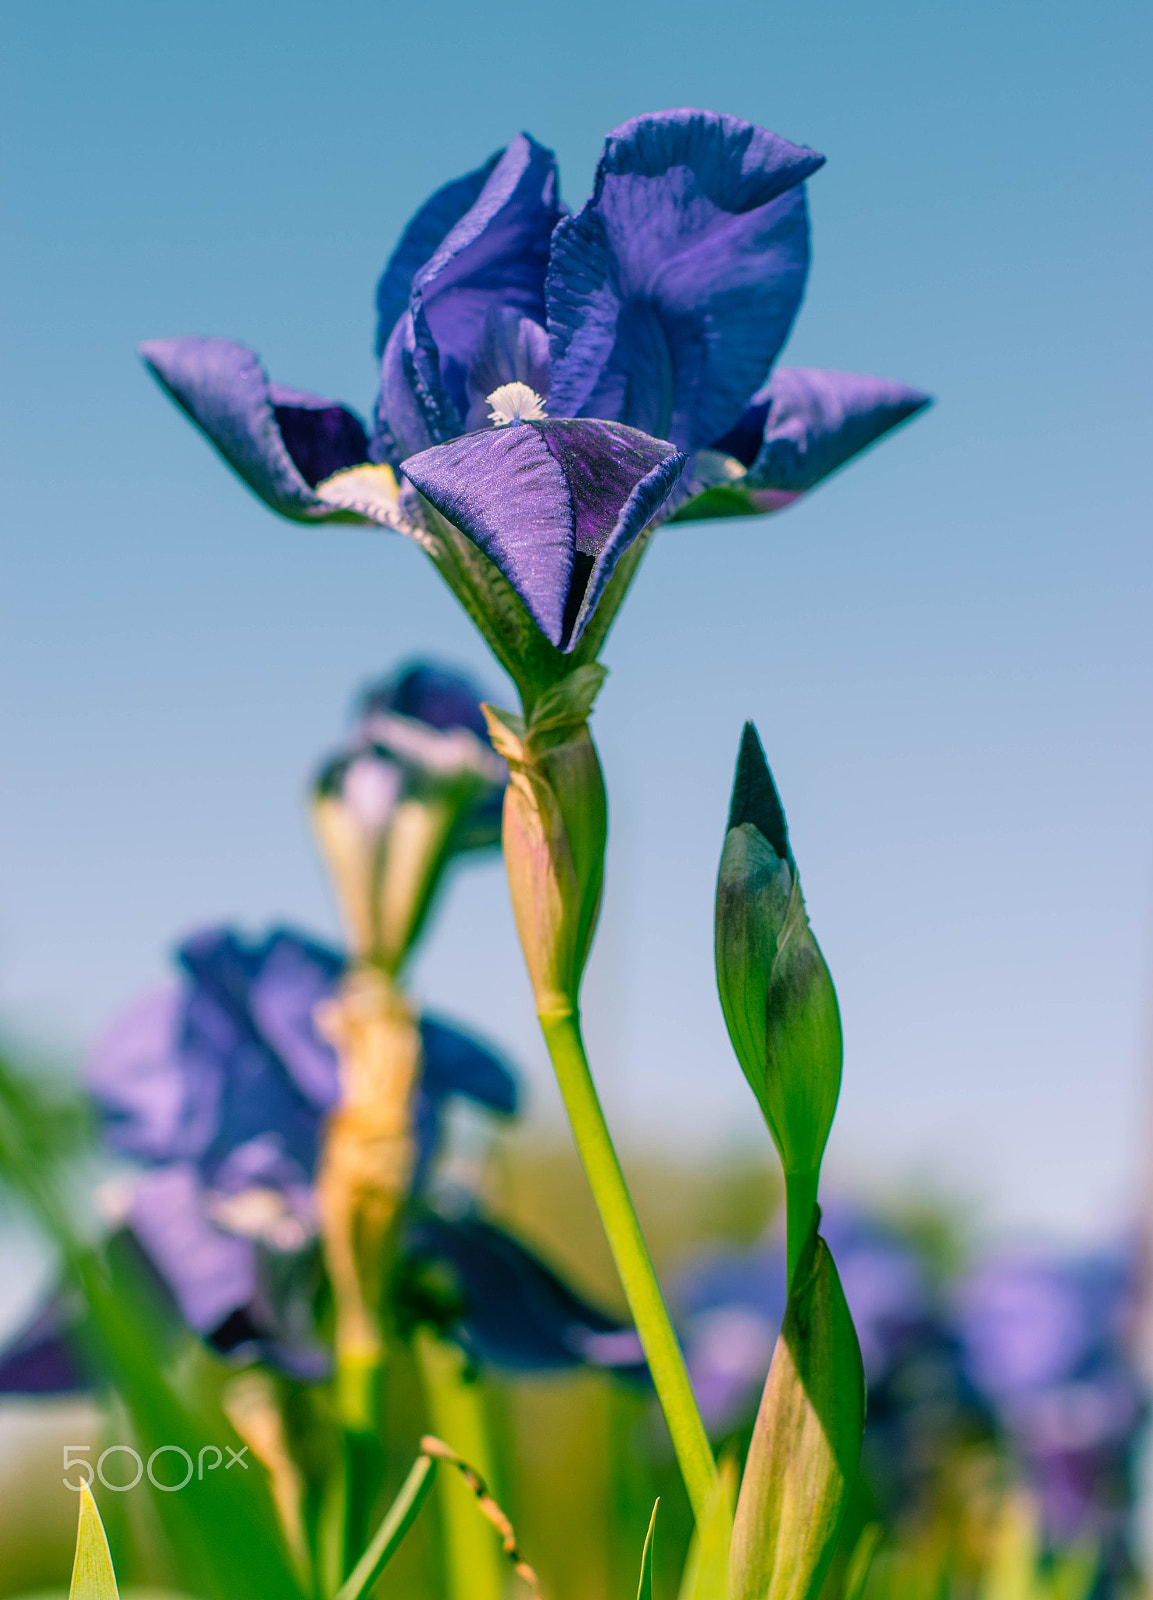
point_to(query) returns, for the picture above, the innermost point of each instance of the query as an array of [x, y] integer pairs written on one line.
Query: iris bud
[[555, 825], [393, 810], [776, 993]]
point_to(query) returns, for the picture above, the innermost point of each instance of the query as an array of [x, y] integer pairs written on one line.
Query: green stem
[[358, 1393], [666, 1363], [800, 1204], [472, 1556]]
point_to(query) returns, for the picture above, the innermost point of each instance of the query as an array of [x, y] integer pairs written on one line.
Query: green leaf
[[722, 500], [1073, 1574], [861, 1561], [222, 1525], [562, 708], [645, 1586], [706, 1574], [92, 1574], [806, 1442], [386, 1541], [1016, 1551]]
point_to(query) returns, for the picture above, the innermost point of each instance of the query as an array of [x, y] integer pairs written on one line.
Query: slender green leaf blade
[[645, 1587], [861, 1561], [92, 1574], [806, 1442], [1074, 1572], [386, 1541], [1015, 1552]]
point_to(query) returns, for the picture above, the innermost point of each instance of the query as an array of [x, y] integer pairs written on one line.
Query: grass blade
[[645, 1587], [399, 1519], [92, 1574]]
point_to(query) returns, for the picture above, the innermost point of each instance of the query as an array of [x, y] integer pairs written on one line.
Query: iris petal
[[671, 292], [495, 256], [456, 1063], [805, 423], [282, 442], [420, 240], [41, 1359], [211, 1273], [517, 1312], [428, 693], [553, 504]]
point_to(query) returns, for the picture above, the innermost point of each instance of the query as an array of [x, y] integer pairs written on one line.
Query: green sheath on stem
[[473, 1560], [666, 1363]]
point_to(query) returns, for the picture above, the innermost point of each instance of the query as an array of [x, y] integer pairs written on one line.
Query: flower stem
[[666, 1363], [474, 1565], [800, 1203]]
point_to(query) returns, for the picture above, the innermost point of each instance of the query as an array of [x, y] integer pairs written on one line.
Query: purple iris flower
[[1045, 1343], [41, 1359], [654, 314], [730, 1306], [505, 1306], [219, 1089], [418, 734]]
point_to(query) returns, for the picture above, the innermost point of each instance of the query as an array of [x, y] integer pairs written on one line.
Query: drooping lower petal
[[672, 290], [553, 504], [457, 1064], [281, 441], [513, 1310], [805, 423], [42, 1359], [211, 1273], [454, 1064]]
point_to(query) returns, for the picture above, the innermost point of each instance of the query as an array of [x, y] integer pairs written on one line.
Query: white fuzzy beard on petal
[[515, 402]]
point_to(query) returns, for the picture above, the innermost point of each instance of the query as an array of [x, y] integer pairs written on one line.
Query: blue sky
[[948, 649]]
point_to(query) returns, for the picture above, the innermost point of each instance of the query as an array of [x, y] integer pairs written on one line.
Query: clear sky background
[[948, 649]]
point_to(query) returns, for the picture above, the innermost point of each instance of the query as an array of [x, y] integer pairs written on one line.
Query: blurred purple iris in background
[[417, 732], [416, 786], [1045, 1341], [219, 1088], [731, 1306], [657, 311]]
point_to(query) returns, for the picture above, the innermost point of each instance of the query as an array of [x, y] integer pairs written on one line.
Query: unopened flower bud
[[419, 785], [776, 993], [555, 824]]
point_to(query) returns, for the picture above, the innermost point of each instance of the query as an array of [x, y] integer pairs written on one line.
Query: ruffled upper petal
[[222, 1043], [426, 692], [420, 240], [672, 290], [148, 1108], [495, 256], [805, 423], [294, 975], [281, 441], [553, 504]]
